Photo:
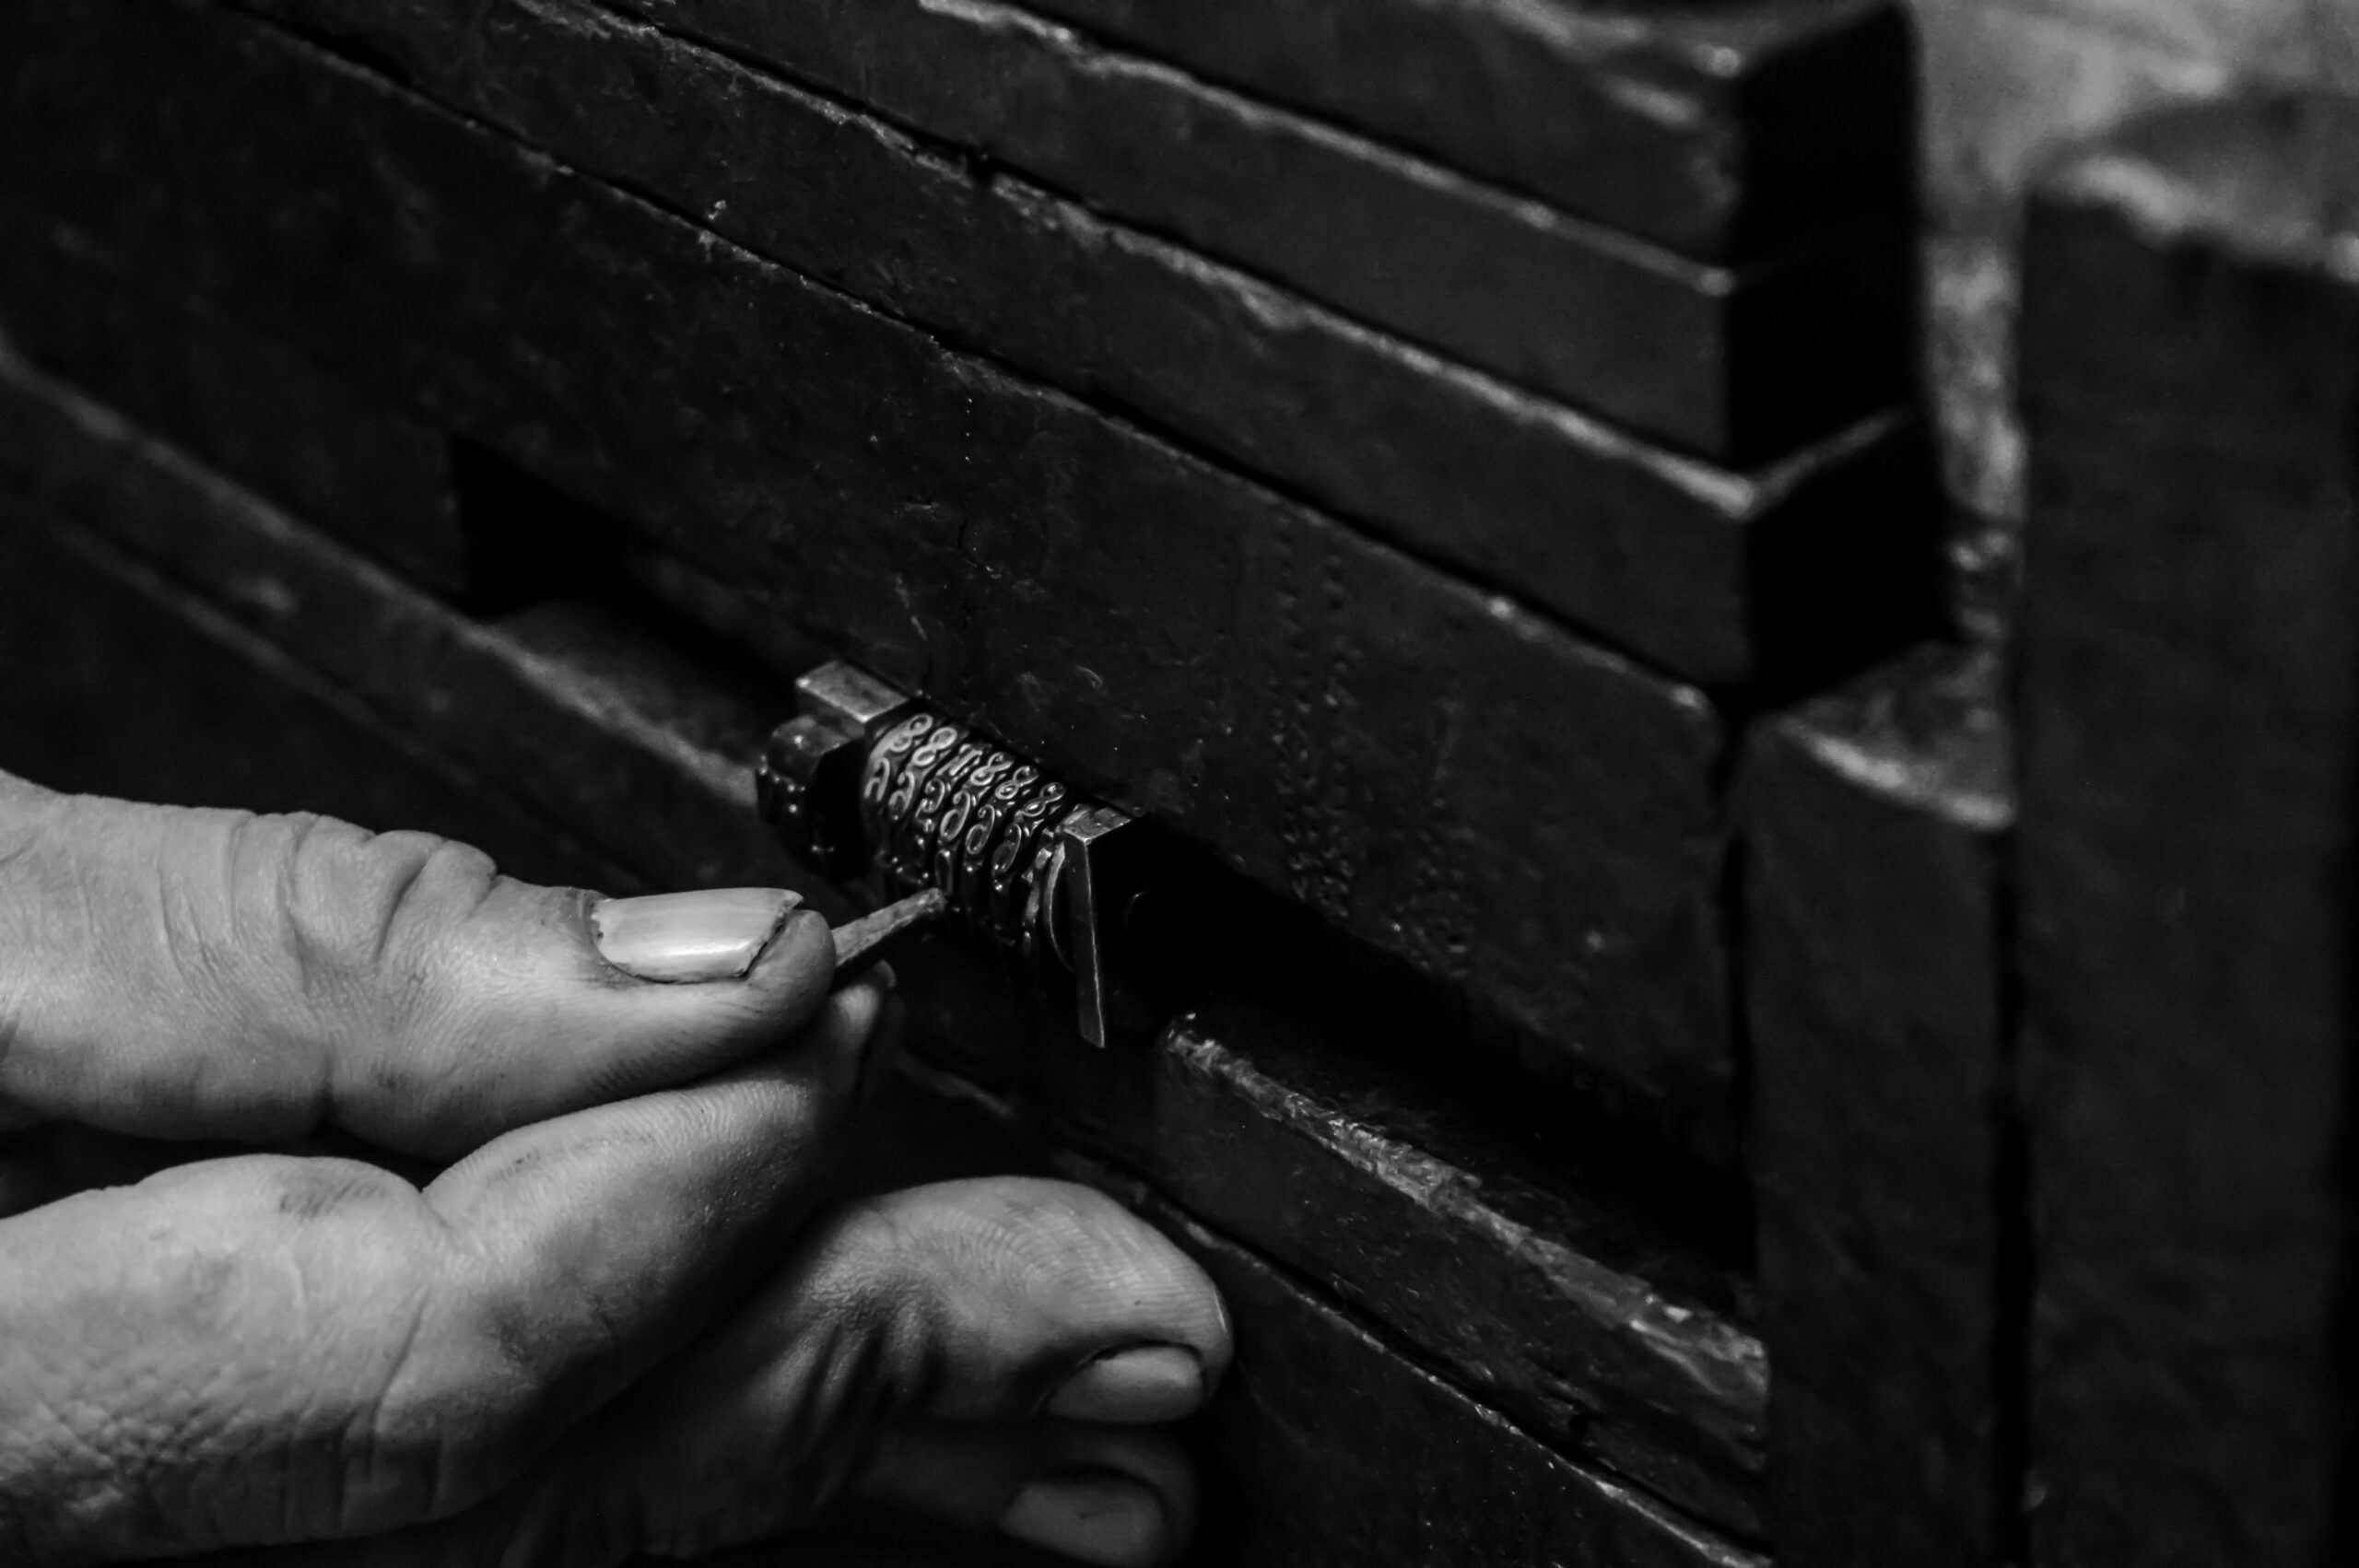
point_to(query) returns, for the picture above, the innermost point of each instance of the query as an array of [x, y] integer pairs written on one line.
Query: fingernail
[[1097, 1515], [1146, 1383], [715, 934]]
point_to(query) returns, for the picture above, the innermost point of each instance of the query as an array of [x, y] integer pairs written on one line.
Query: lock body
[[866, 783]]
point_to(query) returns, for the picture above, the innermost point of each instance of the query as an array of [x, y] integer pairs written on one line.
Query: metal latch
[[864, 782]]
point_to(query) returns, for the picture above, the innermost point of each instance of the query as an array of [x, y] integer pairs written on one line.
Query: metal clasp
[[865, 782]]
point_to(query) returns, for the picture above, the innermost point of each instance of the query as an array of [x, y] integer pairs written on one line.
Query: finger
[[1124, 1497], [995, 1300], [268, 1348], [1006, 1297], [203, 974], [989, 1300], [573, 1226], [1119, 1496], [974, 1300]]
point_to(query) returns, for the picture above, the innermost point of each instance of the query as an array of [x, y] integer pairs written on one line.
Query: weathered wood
[[1738, 363], [1527, 819], [508, 715], [1873, 825], [1717, 130], [265, 414], [1325, 1446], [2190, 735], [123, 684], [1727, 579], [1560, 1289]]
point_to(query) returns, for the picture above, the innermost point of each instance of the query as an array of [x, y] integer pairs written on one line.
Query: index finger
[[201, 974]]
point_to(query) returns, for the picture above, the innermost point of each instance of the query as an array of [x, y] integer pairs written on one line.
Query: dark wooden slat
[[1325, 1445], [1737, 363], [667, 803], [1647, 1366], [1532, 1271], [1875, 828], [1327, 1448], [1726, 579], [2190, 734], [121, 684], [258, 410], [1717, 130], [1519, 816]]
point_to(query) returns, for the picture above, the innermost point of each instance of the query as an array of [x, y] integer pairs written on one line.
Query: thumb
[[994, 1355], [181, 974]]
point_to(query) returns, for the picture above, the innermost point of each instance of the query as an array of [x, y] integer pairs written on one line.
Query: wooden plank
[[1740, 363], [1873, 825], [1717, 130], [1326, 1447], [1776, 575], [1426, 1474], [1523, 817], [1590, 1313], [400, 650], [2190, 734], [124, 685], [266, 413], [1562, 1282]]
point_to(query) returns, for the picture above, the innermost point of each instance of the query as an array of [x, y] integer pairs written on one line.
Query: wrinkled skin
[[357, 1211]]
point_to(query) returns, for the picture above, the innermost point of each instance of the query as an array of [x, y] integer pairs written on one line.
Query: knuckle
[[442, 1429], [358, 901], [480, 1388], [1048, 1240], [427, 1417], [369, 916], [872, 1293], [315, 1189], [1022, 1223], [251, 1347]]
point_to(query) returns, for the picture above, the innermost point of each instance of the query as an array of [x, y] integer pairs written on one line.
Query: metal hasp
[[864, 782]]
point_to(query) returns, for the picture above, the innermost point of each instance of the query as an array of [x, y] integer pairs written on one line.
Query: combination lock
[[864, 782]]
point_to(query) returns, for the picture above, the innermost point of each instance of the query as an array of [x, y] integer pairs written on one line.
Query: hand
[[609, 1323]]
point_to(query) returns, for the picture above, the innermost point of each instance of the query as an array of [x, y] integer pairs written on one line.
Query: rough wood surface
[[1427, 1475], [2190, 735], [1740, 363], [1521, 816], [1873, 825], [260, 411], [1719, 130], [126, 685], [1556, 1283], [1725, 577]]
